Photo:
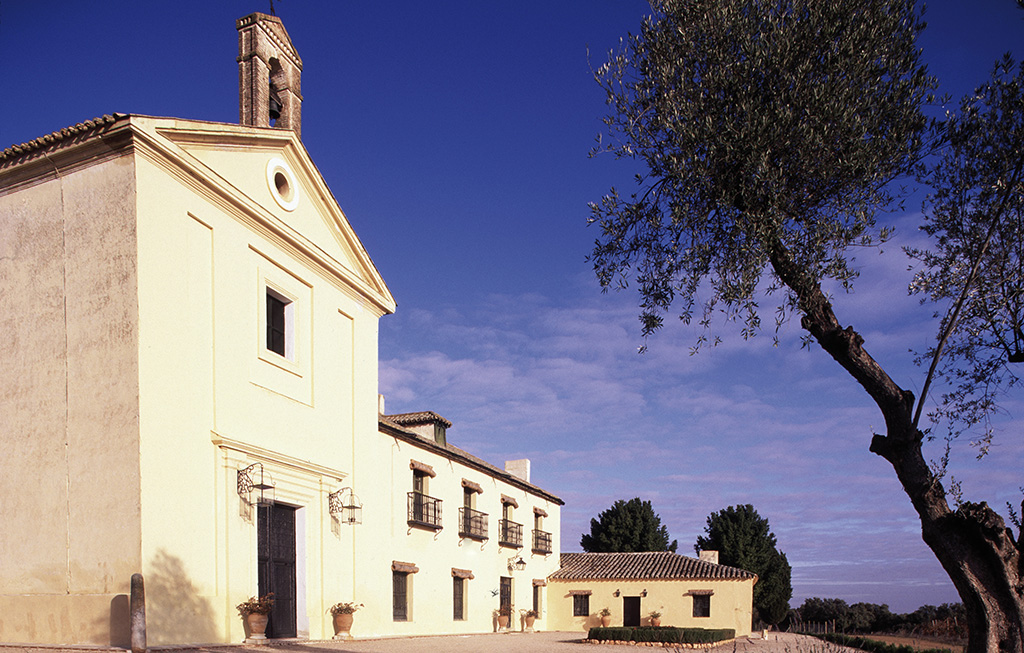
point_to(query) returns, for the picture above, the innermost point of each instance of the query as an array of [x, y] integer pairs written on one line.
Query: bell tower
[[269, 71]]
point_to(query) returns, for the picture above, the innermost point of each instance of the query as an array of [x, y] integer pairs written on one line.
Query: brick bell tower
[[269, 70]]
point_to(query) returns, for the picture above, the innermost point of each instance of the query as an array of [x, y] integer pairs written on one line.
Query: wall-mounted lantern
[[256, 483], [616, 593], [516, 563], [644, 593], [345, 506]]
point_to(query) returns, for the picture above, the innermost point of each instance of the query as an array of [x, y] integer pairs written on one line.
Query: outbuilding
[[687, 592]]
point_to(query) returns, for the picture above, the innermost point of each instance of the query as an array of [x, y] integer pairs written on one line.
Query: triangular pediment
[[268, 173]]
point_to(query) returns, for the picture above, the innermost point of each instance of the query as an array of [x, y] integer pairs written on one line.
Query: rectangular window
[[458, 599], [400, 595], [536, 599], [702, 605], [280, 324], [581, 605]]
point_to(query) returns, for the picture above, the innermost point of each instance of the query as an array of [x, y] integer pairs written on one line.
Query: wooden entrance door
[[276, 524], [630, 611]]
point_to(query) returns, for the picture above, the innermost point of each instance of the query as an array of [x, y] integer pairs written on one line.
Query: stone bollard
[[137, 618]]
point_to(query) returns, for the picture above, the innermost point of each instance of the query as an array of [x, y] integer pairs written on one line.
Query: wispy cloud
[[780, 427]]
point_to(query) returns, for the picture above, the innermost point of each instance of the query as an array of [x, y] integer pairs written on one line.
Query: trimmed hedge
[[666, 634], [873, 645]]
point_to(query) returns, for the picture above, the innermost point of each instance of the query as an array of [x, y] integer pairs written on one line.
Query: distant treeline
[[946, 620]]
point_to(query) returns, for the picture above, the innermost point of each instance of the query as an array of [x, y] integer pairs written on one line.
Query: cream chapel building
[[189, 392]]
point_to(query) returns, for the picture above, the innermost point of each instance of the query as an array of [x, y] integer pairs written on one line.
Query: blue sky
[[455, 137]]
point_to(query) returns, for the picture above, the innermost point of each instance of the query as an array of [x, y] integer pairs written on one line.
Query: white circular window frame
[[282, 184]]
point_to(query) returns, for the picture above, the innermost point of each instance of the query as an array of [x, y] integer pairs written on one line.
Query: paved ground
[[549, 642]]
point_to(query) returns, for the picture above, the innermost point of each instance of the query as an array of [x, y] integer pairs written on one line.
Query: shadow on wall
[[175, 612], [120, 622]]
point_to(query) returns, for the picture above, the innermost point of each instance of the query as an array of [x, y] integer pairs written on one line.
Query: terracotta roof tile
[[652, 565], [423, 417], [53, 138]]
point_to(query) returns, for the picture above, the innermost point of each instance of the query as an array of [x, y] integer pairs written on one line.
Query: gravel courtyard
[[553, 642]]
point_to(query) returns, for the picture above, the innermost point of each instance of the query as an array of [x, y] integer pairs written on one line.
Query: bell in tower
[[269, 71]]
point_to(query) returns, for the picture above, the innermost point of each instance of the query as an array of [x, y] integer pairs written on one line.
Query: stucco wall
[[205, 267], [69, 400], [731, 603], [386, 536]]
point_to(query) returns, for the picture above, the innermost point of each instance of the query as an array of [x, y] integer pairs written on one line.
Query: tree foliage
[[744, 539], [976, 262], [626, 527], [770, 132]]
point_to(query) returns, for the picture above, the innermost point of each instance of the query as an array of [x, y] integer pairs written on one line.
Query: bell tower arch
[[269, 74]]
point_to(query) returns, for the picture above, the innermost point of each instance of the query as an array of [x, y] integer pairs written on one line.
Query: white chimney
[[380, 405], [709, 556], [519, 468]]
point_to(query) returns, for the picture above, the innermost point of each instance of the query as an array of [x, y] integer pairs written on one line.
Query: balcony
[[424, 511], [510, 533], [472, 524], [541, 541]]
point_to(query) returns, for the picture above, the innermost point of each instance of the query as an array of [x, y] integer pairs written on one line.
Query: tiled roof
[[652, 565], [389, 426], [79, 129], [424, 417]]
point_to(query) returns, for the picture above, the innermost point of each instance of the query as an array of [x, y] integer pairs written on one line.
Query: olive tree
[[770, 133]]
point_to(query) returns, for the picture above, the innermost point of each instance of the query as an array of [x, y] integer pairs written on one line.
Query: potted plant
[[529, 617], [606, 617], [255, 613], [342, 613], [503, 613], [655, 618]]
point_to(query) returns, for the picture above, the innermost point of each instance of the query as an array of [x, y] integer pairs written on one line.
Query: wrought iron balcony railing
[[510, 533], [541, 541], [472, 523], [424, 510]]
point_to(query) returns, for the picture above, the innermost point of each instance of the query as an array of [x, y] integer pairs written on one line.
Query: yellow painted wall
[[731, 603], [70, 474]]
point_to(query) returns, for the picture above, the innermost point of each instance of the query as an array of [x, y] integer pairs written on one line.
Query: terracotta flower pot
[[655, 621], [606, 620], [529, 621], [502, 621], [343, 625], [257, 625]]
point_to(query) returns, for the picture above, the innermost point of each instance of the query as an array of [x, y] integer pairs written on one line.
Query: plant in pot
[[606, 617], [655, 618], [503, 613], [529, 616], [255, 612], [343, 616]]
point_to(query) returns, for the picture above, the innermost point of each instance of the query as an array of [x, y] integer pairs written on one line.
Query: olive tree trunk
[[972, 543]]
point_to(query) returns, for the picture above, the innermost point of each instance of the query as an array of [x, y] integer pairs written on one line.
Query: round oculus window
[[283, 186]]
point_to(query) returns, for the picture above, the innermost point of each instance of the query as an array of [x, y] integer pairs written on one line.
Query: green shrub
[[667, 634], [873, 645]]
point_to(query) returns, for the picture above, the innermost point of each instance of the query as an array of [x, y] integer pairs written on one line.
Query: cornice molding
[[276, 457]]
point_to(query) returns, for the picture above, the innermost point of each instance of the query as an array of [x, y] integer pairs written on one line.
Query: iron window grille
[[424, 510], [510, 533], [399, 595], [581, 605], [541, 541], [472, 524]]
